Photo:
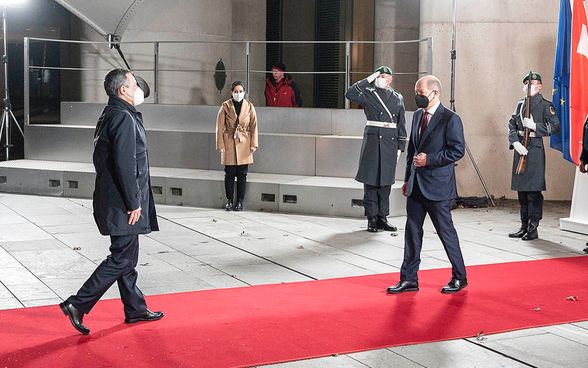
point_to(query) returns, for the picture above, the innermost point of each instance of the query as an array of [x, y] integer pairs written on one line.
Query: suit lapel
[[435, 119], [416, 122]]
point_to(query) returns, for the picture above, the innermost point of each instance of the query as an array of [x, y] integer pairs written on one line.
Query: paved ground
[[49, 246]]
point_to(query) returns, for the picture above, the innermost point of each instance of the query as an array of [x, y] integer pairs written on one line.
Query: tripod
[[7, 115]]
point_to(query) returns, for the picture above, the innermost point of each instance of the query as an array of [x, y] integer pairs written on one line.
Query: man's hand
[[221, 150], [373, 77], [582, 167], [134, 216], [518, 146], [253, 149], [420, 160], [529, 123], [404, 187]]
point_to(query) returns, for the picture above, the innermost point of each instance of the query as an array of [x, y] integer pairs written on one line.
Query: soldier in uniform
[[529, 184], [584, 158], [384, 138]]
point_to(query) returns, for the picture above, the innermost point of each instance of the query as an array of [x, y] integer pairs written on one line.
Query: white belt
[[522, 133], [380, 124]]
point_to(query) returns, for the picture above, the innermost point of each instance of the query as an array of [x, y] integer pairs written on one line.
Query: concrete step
[[279, 153], [317, 195]]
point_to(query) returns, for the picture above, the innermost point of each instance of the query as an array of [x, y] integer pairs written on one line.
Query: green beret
[[533, 76], [384, 70]]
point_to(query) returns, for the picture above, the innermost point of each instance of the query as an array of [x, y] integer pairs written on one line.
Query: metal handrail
[[247, 44]]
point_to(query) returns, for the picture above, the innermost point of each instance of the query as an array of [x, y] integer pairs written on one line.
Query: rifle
[[522, 165]]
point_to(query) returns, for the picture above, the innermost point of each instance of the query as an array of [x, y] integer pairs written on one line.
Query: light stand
[[452, 100], [7, 115]]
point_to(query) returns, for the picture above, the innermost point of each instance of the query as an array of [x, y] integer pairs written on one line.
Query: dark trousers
[[118, 267], [376, 200], [531, 206], [417, 207], [240, 172]]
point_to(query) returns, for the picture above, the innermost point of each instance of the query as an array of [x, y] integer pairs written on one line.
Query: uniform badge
[[552, 110]]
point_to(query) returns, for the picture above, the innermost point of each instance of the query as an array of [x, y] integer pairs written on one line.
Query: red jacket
[[282, 94]]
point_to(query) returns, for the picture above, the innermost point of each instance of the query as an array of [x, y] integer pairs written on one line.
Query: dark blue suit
[[431, 188]]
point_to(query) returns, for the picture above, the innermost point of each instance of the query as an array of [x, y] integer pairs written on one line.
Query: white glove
[[398, 155], [373, 77], [518, 146], [529, 123]]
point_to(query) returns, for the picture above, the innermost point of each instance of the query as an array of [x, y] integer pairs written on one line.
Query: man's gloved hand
[[518, 146], [373, 77], [529, 123]]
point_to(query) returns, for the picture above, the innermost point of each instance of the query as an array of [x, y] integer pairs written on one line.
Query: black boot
[[520, 232], [383, 224], [229, 205], [238, 205], [532, 232], [372, 224]]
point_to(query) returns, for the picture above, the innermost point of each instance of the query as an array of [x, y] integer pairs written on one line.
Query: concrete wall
[[495, 48], [207, 20], [398, 20]]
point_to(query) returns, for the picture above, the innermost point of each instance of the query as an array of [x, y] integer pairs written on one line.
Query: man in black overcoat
[[123, 202]]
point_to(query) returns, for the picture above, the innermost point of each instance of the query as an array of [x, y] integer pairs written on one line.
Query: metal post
[[430, 55], [347, 70], [247, 67], [27, 87], [156, 72]]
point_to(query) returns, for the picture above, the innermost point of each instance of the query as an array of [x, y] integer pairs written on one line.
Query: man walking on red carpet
[[436, 143], [123, 202]]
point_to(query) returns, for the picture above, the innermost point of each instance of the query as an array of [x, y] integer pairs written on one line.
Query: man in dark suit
[[123, 202], [435, 144]]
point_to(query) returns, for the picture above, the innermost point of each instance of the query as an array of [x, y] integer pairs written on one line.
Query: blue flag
[[561, 81]]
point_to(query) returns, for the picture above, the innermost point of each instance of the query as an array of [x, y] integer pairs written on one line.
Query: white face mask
[[238, 96], [381, 83], [138, 97], [533, 89]]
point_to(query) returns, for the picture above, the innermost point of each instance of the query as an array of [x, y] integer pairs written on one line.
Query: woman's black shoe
[[229, 205], [238, 206]]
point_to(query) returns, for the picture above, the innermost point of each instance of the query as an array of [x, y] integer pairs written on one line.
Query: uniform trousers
[[531, 206], [376, 200]]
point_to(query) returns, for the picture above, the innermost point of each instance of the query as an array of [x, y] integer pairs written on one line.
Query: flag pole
[[452, 99]]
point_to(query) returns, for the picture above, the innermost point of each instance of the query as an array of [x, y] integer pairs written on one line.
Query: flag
[[570, 78]]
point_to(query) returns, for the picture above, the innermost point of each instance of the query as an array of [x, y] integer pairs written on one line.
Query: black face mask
[[422, 101]]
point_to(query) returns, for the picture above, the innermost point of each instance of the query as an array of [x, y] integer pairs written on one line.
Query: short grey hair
[[114, 80], [432, 82]]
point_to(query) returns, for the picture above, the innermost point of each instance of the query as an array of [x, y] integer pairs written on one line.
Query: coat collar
[[116, 101], [230, 109]]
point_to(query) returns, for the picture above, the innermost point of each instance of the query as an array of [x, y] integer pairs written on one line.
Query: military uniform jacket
[[122, 171], [533, 179], [377, 161]]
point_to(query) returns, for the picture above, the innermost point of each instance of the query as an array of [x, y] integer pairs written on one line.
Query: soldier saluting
[[529, 183], [384, 138]]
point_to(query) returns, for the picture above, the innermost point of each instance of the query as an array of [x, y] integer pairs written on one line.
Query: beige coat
[[237, 149]]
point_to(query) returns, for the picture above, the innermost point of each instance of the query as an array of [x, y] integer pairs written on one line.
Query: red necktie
[[424, 123]]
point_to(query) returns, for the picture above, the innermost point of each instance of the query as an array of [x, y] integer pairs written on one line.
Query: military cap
[[534, 76], [384, 70]]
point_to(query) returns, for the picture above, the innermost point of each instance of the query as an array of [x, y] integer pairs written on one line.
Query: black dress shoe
[[238, 206], [75, 317], [372, 226], [145, 316], [532, 232], [520, 232], [586, 249], [454, 286], [403, 286], [383, 224], [229, 205]]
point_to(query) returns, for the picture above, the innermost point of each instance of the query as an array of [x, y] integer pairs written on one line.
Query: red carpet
[[273, 323]]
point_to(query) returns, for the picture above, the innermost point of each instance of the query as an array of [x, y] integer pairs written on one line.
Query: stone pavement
[[49, 246]]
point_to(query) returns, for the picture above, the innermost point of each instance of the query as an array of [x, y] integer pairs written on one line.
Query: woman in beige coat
[[236, 140]]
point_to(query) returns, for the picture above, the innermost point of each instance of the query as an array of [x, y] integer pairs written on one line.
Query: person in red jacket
[[280, 89]]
